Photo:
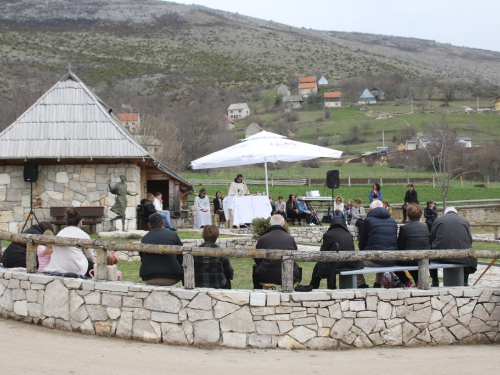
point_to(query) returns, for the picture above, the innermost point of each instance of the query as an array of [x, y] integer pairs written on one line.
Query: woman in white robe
[[202, 214]]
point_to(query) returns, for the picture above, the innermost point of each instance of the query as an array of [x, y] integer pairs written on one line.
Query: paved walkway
[[30, 349]]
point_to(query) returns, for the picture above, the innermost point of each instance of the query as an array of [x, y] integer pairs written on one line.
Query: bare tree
[[366, 126], [445, 154], [161, 139]]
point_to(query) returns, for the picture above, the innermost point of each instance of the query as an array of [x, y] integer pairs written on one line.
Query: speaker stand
[[31, 215]]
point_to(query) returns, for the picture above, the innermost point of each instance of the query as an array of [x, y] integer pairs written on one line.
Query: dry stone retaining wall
[[323, 319]]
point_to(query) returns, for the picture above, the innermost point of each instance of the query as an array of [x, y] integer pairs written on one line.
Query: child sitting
[[113, 261], [44, 253]]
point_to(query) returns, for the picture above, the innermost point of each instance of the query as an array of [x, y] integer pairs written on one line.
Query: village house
[[292, 101], [238, 111], [307, 86], [367, 98], [226, 123], [252, 129], [423, 142], [131, 122], [77, 144], [333, 99], [497, 105], [283, 90], [377, 94]]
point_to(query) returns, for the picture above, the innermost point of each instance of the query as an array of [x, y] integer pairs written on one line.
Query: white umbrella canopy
[[264, 147]]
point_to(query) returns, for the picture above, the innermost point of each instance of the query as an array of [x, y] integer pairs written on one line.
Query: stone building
[[77, 145]]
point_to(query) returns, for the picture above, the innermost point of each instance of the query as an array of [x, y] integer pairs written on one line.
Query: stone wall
[[323, 319], [62, 186]]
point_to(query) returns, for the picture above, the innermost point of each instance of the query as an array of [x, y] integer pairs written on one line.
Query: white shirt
[[70, 258], [158, 205], [238, 188]]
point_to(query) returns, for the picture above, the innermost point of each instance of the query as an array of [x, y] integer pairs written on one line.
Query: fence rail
[[272, 182], [287, 256]]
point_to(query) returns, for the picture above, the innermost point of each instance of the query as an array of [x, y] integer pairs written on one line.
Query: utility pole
[[383, 139], [411, 104]]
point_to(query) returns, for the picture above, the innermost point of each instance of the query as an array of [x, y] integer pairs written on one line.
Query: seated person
[[280, 207], [44, 253], [338, 207], [305, 212], [337, 238], [15, 254], [160, 269], [219, 208], [158, 202], [150, 208], [273, 205], [292, 212], [348, 211], [202, 215], [212, 272], [72, 259], [269, 270]]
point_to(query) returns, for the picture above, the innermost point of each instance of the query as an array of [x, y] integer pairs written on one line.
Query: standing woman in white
[[202, 214]]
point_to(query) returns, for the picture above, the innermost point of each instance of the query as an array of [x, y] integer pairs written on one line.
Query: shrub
[[260, 225]]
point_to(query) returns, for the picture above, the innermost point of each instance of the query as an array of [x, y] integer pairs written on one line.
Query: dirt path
[[29, 349]]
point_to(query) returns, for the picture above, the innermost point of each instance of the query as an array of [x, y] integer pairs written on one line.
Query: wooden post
[[368, 180], [31, 257], [287, 274], [407, 180], [272, 180], [433, 181], [461, 181], [381, 181], [349, 181], [101, 264], [309, 179], [188, 265], [423, 274]]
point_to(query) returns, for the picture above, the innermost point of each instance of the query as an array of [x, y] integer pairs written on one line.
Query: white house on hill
[[238, 111]]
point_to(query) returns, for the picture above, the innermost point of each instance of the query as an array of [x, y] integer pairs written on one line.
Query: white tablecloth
[[245, 209]]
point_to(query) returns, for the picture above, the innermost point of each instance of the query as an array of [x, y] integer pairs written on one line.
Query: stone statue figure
[[120, 189]]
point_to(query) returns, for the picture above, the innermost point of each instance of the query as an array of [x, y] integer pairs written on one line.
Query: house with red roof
[[333, 99]]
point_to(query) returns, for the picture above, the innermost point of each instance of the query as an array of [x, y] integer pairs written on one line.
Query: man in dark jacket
[[160, 269], [411, 196], [268, 270], [15, 254], [337, 238], [452, 231], [379, 232]]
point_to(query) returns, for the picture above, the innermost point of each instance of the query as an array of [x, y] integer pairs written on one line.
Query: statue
[[120, 189]]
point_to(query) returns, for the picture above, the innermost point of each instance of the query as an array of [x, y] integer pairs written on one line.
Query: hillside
[[163, 46]]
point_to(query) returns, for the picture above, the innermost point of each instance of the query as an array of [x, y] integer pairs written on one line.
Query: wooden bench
[[495, 226], [88, 214], [453, 274]]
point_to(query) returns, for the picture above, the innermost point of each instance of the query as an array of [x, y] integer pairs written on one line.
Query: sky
[[458, 22]]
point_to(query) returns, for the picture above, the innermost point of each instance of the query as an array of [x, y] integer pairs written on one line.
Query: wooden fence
[[287, 256]]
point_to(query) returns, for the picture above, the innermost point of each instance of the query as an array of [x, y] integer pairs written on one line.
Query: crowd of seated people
[[377, 231]]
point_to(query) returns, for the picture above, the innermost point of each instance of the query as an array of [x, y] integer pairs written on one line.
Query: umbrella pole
[[267, 184]]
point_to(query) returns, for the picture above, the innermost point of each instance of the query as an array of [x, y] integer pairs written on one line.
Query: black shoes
[[174, 229], [377, 285], [435, 284], [363, 286]]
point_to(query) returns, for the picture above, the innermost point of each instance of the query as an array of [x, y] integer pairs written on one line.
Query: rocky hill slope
[[160, 45]]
